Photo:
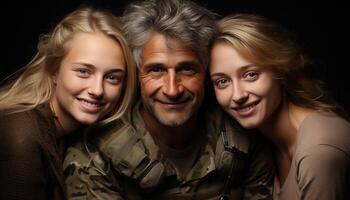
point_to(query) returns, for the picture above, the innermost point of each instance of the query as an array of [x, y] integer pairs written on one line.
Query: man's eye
[[155, 70], [187, 70]]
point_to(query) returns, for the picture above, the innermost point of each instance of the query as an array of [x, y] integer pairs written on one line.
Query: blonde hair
[[266, 44], [35, 86]]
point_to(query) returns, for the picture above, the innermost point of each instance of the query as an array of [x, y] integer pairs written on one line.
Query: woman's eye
[[222, 83], [83, 72], [251, 75], [114, 79]]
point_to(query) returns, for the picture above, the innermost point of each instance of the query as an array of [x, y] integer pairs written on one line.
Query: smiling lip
[[247, 110], [173, 105], [90, 106]]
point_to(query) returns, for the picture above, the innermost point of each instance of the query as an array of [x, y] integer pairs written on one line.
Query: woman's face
[[90, 79], [246, 91]]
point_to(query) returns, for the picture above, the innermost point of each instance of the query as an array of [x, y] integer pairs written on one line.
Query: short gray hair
[[181, 20]]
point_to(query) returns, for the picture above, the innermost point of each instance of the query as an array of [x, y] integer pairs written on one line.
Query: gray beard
[[172, 124]]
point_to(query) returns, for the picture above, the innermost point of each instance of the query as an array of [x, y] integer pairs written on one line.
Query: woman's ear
[[54, 77], [280, 76]]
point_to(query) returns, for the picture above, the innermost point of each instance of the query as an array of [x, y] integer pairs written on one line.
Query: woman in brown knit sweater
[[82, 74]]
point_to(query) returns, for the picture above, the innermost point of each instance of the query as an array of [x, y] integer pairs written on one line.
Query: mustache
[[174, 100]]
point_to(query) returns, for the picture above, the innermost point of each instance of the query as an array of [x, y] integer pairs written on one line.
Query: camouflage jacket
[[122, 161]]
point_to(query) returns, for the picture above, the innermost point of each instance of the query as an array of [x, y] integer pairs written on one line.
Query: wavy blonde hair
[[35, 86], [268, 45]]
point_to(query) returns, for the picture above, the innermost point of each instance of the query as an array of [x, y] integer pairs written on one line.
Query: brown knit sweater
[[30, 156]]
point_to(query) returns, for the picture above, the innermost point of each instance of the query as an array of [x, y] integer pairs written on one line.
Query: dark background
[[319, 28]]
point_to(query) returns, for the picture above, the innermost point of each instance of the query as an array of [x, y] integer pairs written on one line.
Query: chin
[[172, 122], [87, 120], [249, 124]]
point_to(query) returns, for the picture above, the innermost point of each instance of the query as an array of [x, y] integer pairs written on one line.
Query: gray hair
[[182, 20]]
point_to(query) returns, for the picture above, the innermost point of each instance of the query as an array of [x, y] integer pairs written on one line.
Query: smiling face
[[246, 91], [172, 81], [90, 79]]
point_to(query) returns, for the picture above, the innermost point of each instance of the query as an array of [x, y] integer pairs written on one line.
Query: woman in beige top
[[259, 79]]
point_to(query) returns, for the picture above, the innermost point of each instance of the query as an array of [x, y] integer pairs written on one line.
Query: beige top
[[320, 167]]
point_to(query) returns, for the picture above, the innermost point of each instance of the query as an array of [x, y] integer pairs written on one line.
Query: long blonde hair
[[268, 45], [35, 86]]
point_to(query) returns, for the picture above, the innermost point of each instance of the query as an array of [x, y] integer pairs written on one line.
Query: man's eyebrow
[[189, 63], [150, 65], [180, 64]]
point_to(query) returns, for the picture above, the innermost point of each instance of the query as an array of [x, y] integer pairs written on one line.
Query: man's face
[[172, 81]]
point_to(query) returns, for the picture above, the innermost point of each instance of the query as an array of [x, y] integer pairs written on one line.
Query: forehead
[[169, 52], [95, 50], [94, 45], [225, 56]]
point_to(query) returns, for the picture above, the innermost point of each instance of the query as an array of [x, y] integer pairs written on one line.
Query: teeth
[[87, 103], [246, 109]]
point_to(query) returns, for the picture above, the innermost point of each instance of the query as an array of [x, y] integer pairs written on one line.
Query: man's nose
[[172, 85]]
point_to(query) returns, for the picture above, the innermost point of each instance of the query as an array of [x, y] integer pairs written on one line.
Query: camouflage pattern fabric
[[105, 166]]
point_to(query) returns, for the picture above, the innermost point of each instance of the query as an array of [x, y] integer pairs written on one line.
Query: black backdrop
[[319, 28]]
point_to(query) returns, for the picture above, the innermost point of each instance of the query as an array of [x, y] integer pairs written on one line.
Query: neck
[[178, 137], [281, 130], [64, 123]]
